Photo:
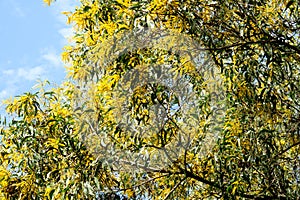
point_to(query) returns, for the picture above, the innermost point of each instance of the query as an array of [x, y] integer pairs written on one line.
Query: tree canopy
[[168, 99]]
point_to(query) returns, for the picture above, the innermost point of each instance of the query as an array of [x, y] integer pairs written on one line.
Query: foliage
[[254, 44], [41, 156]]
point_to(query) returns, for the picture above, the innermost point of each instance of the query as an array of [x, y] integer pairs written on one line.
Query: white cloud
[[4, 94], [30, 74], [8, 72], [16, 75], [53, 59], [67, 33]]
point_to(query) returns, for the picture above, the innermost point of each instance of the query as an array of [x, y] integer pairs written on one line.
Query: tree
[[118, 128]]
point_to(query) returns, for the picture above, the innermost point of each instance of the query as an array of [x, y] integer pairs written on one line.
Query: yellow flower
[[65, 56], [48, 2], [54, 143], [47, 192], [4, 176]]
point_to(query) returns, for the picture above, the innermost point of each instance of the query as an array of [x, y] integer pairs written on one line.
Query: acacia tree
[[69, 143]]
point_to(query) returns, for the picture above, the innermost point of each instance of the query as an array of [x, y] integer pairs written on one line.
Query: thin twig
[[174, 188]]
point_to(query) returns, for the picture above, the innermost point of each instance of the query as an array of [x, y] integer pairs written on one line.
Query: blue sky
[[32, 36]]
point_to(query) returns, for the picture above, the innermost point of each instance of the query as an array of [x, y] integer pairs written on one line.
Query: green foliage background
[[254, 43]]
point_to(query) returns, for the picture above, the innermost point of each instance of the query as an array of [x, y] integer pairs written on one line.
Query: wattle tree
[[169, 99]]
